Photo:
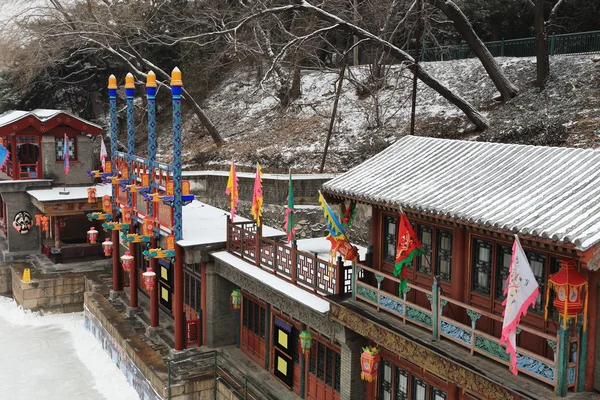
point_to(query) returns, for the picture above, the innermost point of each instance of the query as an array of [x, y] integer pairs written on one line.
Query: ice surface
[[53, 357]]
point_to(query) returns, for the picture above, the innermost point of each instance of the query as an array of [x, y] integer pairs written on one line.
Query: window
[[538, 266], [502, 268], [444, 255], [423, 262], [253, 317], [386, 380], [325, 364], [393, 385], [437, 394], [390, 232], [482, 266], [401, 384], [419, 389], [59, 148]]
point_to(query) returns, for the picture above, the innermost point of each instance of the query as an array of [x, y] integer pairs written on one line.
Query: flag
[[66, 154], [103, 153], [3, 155], [289, 213], [257, 197], [521, 292], [232, 189], [407, 248], [337, 236]]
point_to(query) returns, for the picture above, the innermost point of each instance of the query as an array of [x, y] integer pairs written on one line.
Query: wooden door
[[253, 329]]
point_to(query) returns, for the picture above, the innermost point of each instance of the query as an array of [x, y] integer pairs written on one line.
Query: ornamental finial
[[176, 77], [129, 83], [112, 82], [151, 79]]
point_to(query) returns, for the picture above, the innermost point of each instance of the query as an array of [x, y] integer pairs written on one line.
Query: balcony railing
[[300, 268], [433, 319]]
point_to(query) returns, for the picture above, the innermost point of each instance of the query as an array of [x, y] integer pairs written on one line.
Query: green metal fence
[[570, 43], [212, 365]]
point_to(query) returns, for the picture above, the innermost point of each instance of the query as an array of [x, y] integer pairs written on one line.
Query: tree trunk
[[473, 115], [541, 46], [450, 9]]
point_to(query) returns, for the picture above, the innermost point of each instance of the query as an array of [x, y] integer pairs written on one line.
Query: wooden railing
[[433, 319], [28, 171], [300, 268]]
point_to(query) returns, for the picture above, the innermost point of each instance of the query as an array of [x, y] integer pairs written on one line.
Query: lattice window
[[504, 256], [482, 266], [321, 361], [338, 367], [437, 394], [538, 266], [419, 391], [401, 390], [262, 322], [245, 313], [329, 367], [385, 374], [390, 232], [59, 148], [426, 238], [444, 255], [256, 329], [313, 361], [296, 346]]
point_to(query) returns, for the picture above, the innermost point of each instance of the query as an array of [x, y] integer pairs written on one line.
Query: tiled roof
[[547, 192], [40, 114]]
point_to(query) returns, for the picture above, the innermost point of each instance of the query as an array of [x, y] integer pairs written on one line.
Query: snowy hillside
[[567, 113]]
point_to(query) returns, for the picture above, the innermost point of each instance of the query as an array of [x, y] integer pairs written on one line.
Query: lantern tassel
[[547, 299]]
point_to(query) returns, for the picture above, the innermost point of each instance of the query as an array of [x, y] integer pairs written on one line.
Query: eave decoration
[[568, 286]]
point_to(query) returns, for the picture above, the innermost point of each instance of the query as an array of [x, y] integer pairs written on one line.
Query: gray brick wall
[[77, 169], [17, 242], [352, 387], [220, 320]]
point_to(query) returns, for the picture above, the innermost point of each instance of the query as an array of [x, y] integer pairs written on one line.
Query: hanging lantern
[[91, 195], [236, 299], [568, 286], [127, 261], [369, 363], [92, 235], [38, 219], [107, 247], [305, 342], [106, 204], [126, 215], [149, 279]]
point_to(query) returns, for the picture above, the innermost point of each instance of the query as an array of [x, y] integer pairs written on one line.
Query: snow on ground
[[53, 357], [257, 129]]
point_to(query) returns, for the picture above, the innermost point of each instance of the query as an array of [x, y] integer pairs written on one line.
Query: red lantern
[[369, 363], [126, 215], [149, 279], [127, 261], [568, 285], [107, 247], [38, 219], [106, 204], [92, 235], [91, 195]]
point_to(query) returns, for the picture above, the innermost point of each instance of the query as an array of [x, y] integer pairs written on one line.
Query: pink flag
[[103, 153], [521, 292], [66, 154]]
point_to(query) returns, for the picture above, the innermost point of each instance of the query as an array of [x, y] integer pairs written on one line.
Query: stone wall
[[145, 370], [209, 187], [77, 168], [48, 292], [220, 320], [18, 242], [5, 281]]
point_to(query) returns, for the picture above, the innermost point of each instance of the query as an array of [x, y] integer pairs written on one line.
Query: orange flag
[[232, 189], [257, 198]]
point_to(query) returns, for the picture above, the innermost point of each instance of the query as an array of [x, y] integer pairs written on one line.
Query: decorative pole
[[112, 95], [178, 312], [151, 94], [129, 92]]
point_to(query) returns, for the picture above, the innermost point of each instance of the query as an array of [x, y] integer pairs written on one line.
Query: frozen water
[[53, 357]]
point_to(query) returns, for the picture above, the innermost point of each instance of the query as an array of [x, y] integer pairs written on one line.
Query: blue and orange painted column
[[151, 95], [176, 86], [133, 274], [112, 95]]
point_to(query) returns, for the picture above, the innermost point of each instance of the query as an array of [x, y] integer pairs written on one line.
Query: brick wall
[[220, 320], [5, 281]]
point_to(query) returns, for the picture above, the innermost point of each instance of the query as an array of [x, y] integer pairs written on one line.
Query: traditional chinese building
[[465, 201], [42, 208]]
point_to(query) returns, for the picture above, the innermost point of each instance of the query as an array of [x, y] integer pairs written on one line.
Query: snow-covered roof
[[281, 177], [40, 114], [302, 296], [204, 225], [75, 193], [321, 247], [547, 192]]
